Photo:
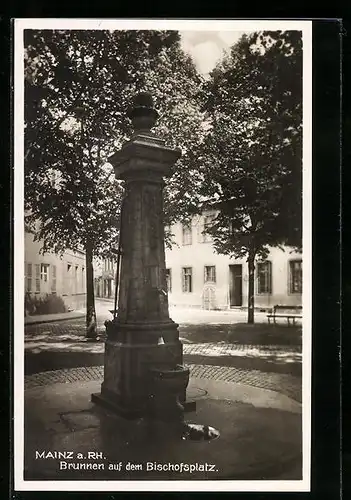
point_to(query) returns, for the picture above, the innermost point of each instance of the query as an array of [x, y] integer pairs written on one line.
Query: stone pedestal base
[[131, 351]]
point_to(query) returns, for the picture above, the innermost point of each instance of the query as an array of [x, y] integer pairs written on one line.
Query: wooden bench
[[291, 313]]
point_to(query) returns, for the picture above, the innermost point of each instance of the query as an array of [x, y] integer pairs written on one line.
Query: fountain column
[[132, 348]]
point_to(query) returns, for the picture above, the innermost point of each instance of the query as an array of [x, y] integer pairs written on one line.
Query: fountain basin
[[165, 387], [174, 380]]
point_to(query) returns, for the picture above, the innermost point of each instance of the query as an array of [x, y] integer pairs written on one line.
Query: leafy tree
[[253, 153], [78, 86]]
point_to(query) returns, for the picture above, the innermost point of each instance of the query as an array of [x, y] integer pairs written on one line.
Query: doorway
[[235, 285]]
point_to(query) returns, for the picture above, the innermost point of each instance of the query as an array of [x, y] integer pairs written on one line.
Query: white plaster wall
[[198, 254], [72, 290]]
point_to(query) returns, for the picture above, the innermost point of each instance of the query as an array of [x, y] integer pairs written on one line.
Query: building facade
[[104, 278], [50, 274], [199, 277]]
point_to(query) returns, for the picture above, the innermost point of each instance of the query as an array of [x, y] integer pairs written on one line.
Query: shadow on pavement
[[53, 360], [236, 333], [56, 360], [247, 363], [243, 333]]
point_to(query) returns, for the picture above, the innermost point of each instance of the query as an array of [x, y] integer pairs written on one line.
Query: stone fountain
[[144, 374]]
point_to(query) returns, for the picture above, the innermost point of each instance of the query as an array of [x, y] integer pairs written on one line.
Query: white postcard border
[[18, 336]]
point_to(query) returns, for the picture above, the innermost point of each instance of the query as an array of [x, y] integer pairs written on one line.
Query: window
[[187, 234], [76, 278], [169, 280], [53, 281], [264, 277], [28, 277], [187, 279], [295, 276], [68, 280], [207, 224], [83, 278], [44, 272], [210, 274]]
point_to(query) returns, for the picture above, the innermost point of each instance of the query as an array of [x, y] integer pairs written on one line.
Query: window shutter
[[37, 277], [53, 283], [183, 279], [295, 276], [29, 277]]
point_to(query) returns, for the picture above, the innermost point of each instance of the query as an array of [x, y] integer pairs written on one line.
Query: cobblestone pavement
[[60, 329], [256, 360], [289, 385], [70, 344], [68, 337], [202, 335]]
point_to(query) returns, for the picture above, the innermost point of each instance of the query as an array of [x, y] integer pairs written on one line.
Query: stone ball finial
[[142, 112]]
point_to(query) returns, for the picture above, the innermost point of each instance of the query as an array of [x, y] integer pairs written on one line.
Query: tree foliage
[[253, 152], [78, 87]]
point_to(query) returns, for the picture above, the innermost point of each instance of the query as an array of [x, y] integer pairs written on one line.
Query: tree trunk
[[251, 292], [91, 330]]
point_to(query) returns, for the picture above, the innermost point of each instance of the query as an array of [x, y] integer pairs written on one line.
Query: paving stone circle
[[288, 385]]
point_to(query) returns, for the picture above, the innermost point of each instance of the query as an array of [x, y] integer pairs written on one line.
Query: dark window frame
[[168, 273], [187, 279], [207, 221], [263, 269], [293, 278], [207, 273], [187, 234]]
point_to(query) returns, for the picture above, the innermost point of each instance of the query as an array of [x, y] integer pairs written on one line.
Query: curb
[[41, 320]]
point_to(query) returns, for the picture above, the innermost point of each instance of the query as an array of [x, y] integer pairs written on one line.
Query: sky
[[207, 47]]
